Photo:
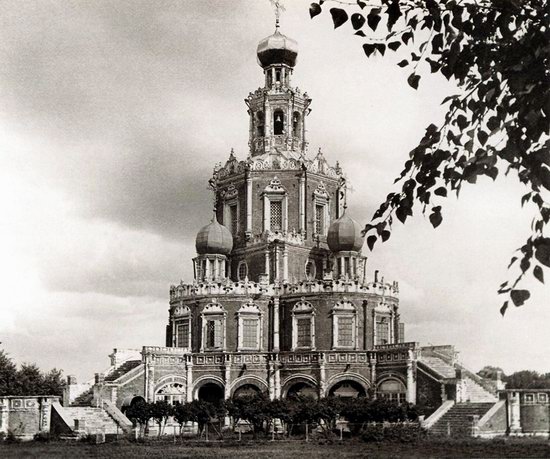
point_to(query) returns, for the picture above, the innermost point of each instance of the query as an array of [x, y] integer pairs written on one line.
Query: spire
[[279, 7]]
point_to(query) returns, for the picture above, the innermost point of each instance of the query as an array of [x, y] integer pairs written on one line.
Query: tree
[[30, 380], [490, 372], [250, 408], [498, 53], [527, 379], [202, 413], [183, 414], [53, 383], [8, 375], [160, 411], [139, 413]]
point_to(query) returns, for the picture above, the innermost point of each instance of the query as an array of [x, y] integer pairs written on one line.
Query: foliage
[[28, 380], [364, 410], [202, 413], [139, 413], [527, 379], [160, 411], [183, 414], [254, 409], [490, 372], [497, 52]]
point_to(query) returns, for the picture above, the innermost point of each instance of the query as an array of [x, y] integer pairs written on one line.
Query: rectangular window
[[182, 334], [214, 334], [401, 332], [250, 333], [276, 220], [303, 332], [319, 219], [234, 219], [382, 332], [345, 331]]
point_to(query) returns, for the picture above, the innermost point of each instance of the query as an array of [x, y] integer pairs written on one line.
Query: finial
[[279, 7]]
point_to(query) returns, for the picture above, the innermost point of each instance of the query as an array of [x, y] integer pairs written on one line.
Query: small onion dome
[[345, 235], [214, 239], [277, 49]]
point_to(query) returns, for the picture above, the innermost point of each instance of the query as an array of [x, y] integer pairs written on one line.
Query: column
[[227, 391], [514, 412], [276, 324], [189, 374], [276, 273], [411, 380], [391, 331], [285, 264], [207, 269], [373, 371], [322, 379], [248, 204], [267, 269], [271, 379], [302, 198], [277, 378]]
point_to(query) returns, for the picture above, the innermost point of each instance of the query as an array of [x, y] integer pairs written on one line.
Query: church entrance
[[211, 393]]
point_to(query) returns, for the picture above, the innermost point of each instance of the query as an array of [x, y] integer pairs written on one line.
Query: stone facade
[[281, 302], [26, 416]]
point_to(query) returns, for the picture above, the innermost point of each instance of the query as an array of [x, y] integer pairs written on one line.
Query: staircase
[[459, 420], [85, 398], [477, 393], [122, 370], [438, 365], [92, 420]]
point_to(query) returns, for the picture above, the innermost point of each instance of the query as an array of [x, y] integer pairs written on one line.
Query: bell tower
[[277, 111]]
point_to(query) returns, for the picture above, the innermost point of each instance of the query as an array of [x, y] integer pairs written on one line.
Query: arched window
[[310, 270], [172, 393], [242, 271], [260, 124], [278, 122], [392, 390], [278, 75], [296, 124]]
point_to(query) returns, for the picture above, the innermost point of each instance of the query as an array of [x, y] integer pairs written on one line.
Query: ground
[[444, 448]]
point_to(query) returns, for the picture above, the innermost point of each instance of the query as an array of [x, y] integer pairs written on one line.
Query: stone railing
[[305, 287], [399, 352], [412, 345]]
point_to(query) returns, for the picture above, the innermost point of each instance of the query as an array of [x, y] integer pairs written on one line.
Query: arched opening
[[278, 75], [392, 390], [347, 389], [211, 393], [131, 401], [171, 393], [260, 124], [278, 122], [296, 124], [302, 389], [247, 390]]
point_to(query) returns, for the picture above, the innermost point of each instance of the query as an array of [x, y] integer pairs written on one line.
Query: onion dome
[[214, 239], [277, 49], [344, 235]]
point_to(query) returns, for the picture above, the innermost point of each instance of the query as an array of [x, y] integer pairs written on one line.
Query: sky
[[112, 116]]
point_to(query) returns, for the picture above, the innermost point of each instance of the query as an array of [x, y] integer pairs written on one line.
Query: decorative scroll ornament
[[275, 186]]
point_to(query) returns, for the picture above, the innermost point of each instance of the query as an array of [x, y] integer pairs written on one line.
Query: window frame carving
[[347, 309], [213, 311], [275, 192], [249, 310], [321, 198], [182, 314], [303, 309]]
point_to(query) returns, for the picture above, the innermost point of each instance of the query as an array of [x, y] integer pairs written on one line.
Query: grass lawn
[[431, 448]]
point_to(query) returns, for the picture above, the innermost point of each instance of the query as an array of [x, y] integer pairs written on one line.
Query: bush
[[43, 437], [404, 432]]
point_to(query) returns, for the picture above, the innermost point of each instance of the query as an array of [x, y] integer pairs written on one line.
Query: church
[[282, 302]]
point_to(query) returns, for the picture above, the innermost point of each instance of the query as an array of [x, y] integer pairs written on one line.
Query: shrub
[[404, 432]]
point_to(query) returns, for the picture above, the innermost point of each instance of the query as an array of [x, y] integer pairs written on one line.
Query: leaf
[[482, 136], [401, 214], [504, 307], [542, 251], [339, 16], [357, 20], [403, 63], [394, 13], [369, 49], [370, 241], [385, 235], [381, 48], [537, 272], [406, 37], [512, 261], [519, 297], [436, 218], [361, 4], [373, 18], [394, 45], [413, 80], [441, 191], [360, 33], [314, 10]]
